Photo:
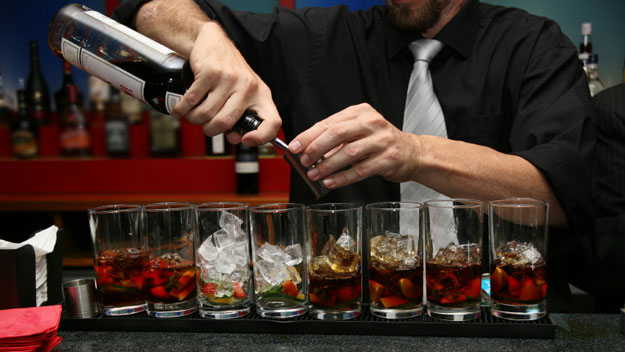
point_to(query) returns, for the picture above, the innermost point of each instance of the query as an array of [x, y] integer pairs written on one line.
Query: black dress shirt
[[505, 79]]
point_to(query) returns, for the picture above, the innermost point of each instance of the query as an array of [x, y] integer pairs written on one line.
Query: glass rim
[[276, 207], [168, 206], [114, 209], [466, 203], [218, 206], [519, 202], [323, 207], [386, 205]]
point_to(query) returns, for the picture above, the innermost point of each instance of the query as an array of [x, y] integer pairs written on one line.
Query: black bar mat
[[365, 324]]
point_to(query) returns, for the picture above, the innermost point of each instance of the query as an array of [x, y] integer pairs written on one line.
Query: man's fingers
[[349, 154], [194, 96], [356, 173]]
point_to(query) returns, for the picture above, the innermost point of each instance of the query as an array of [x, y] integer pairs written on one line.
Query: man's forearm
[[460, 169], [173, 23]]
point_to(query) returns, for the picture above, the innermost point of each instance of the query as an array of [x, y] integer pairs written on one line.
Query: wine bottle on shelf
[[585, 47], [74, 136], [246, 169], [164, 136], [24, 129], [117, 129], [37, 94], [60, 96], [6, 104], [217, 145]]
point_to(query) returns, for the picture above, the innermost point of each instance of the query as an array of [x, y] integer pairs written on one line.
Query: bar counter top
[[574, 332]]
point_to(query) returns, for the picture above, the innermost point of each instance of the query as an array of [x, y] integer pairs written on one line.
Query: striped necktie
[[423, 114]]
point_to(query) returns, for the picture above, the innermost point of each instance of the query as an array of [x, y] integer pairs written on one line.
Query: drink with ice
[[453, 258], [223, 260], [454, 276], [334, 267], [518, 267], [518, 275], [335, 279], [395, 274], [278, 255]]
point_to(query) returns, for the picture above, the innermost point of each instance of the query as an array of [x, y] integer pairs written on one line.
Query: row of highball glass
[[287, 259]]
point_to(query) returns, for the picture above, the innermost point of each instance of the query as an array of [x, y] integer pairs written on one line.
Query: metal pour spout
[[250, 122]]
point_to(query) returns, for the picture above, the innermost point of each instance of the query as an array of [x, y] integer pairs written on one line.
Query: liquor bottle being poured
[[137, 65]]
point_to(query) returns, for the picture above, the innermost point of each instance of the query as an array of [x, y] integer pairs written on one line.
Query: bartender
[[412, 100]]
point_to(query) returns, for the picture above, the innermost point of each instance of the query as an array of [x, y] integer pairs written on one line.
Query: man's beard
[[420, 19]]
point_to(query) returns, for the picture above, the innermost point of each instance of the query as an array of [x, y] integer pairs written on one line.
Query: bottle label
[[246, 167], [161, 49], [74, 139], [102, 69], [218, 144], [171, 99], [23, 144], [116, 136]]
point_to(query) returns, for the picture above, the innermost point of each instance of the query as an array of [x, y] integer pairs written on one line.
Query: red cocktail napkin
[[30, 329]]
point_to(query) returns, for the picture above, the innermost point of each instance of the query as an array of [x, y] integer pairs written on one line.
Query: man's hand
[[224, 87], [362, 138]]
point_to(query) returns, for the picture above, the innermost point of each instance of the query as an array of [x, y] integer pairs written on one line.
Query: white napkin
[[43, 243]]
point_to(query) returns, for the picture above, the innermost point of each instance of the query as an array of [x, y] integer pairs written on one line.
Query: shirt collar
[[459, 34]]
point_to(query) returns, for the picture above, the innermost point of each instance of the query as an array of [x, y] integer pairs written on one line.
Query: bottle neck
[[72, 95], [67, 74], [34, 56], [21, 102]]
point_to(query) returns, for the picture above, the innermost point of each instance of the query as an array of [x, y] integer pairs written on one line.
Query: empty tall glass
[[334, 264], [395, 259], [278, 253], [518, 252], [118, 258], [453, 258], [222, 259], [170, 283]]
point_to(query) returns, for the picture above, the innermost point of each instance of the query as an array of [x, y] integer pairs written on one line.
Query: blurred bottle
[[164, 135], [117, 129], [132, 109], [99, 96], [585, 47], [246, 169], [624, 71], [60, 96], [217, 145], [594, 84], [74, 136], [24, 129], [6, 104], [37, 95]]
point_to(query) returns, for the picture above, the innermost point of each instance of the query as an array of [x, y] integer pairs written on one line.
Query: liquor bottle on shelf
[[117, 129], [6, 105], [217, 145], [24, 129], [164, 136], [99, 96], [246, 169], [74, 136], [594, 84], [37, 95], [132, 109], [585, 47], [60, 96]]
